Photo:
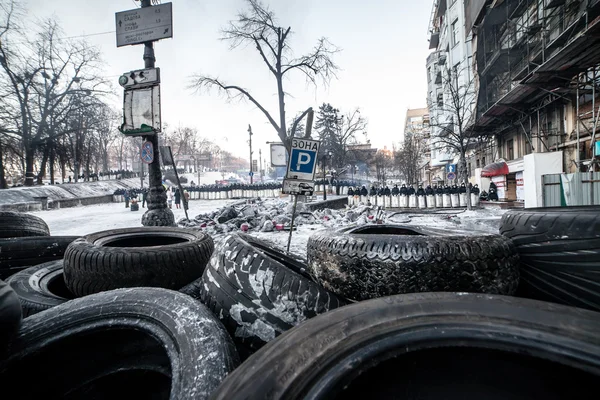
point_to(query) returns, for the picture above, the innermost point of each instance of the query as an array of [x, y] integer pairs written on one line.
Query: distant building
[[416, 125]]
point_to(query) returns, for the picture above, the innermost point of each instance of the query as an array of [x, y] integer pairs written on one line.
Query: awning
[[495, 169]]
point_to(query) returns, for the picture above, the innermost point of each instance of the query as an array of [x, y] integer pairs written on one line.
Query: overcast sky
[[384, 48]]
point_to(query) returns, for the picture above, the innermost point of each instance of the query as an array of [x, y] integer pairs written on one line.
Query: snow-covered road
[[100, 217]]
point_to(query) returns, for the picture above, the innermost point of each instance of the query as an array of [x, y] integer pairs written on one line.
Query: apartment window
[[440, 100], [478, 163], [455, 32], [483, 161], [510, 149], [527, 147], [428, 74]]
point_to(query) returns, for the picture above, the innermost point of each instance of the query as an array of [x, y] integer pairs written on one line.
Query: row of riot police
[[234, 191], [409, 197]]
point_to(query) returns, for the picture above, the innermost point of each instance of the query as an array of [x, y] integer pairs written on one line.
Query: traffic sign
[[140, 78], [451, 176], [144, 24], [451, 168], [303, 159], [147, 152], [251, 173], [295, 186]]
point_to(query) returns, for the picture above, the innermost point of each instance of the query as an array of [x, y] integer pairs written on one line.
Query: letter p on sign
[[303, 159]]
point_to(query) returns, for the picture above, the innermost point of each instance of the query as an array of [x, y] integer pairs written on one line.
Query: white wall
[[536, 165]]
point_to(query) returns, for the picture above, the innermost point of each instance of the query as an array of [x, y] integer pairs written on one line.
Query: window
[[510, 149], [428, 74], [527, 147], [477, 164], [455, 33], [483, 161], [440, 100]]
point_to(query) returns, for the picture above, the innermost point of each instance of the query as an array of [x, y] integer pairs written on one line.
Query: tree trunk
[[29, 162], [52, 165], [462, 169], [42, 172], [3, 184], [281, 94]]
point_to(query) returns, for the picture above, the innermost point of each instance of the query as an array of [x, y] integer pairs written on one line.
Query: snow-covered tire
[[559, 249], [17, 224], [10, 315], [131, 257], [382, 260], [40, 287], [428, 346], [127, 343], [259, 292], [17, 254]]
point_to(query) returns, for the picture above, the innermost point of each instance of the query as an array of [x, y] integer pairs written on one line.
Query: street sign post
[[147, 152], [278, 155], [145, 24], [301, 167]]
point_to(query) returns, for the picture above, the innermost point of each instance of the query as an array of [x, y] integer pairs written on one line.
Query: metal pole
[[292, 223], [158, 213], [250, 142], [261, 164], [324, 186], [577, 126]]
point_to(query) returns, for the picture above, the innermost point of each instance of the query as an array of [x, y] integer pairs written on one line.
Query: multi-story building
[[416, 125], [452, 50], [537, 64]]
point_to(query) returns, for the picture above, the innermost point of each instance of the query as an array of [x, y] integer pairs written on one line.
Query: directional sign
[[451, 176], [451, 168], [147, 152], [251, 173], [303, 159], [144, 24]]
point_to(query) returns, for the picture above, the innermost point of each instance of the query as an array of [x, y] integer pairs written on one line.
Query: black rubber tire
[[427, 346], [95, 263], [17, 254], [40, 287], [10, 315], [77, 349], [17, 224], [559, 248], [259, 292], [382, 260]]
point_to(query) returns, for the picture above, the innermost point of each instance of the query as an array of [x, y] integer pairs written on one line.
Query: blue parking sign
[[303, 159]]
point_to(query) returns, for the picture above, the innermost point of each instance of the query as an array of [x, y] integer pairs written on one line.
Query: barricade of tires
[[362, 317]]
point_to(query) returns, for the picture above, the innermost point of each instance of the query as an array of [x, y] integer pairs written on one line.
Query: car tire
[[16, 224], [126, 343], [10, 315], [559, 249], [131, 257], [17, 254], [259, 292], [40, 287], [382, 260], [428, 346]]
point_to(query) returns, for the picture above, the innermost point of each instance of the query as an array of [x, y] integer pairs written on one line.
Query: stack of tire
[[366, 329], [365, 316]]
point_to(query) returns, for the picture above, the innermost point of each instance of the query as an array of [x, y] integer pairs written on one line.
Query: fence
[[578, 189]]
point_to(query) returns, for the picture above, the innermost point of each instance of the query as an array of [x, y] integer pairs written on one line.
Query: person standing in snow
[[170, 198], [126, 196], [144, 197], [395, 190], [177, 198]]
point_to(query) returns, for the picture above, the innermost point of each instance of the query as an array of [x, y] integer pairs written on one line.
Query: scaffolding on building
[[535, 58]]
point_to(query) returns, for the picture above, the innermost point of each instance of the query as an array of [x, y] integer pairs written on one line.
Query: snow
[[89, 219]]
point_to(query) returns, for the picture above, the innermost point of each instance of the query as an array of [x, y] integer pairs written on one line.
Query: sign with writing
[[520, 186], [303, 159], [144, 24], [147, 152], [141, 111], [295, 186]]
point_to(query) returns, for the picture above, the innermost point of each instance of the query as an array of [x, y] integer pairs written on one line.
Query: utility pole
[[158, 213], [260, 161], [250, 143]]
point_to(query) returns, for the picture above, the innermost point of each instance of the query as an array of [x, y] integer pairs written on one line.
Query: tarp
[[495, 169]]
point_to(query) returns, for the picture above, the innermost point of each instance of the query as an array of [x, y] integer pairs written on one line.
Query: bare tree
[[408, 156], [383, 163], [455, 133], [42, 82], [258, 27]]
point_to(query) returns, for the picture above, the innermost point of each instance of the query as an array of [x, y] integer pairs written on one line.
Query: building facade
[[416, 127], [537, 63]]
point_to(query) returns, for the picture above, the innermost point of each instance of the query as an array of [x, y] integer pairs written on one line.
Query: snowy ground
[[100, 217], [85, 220]]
